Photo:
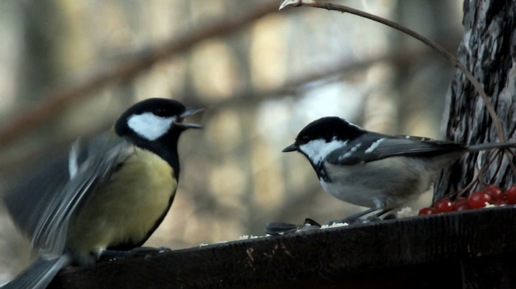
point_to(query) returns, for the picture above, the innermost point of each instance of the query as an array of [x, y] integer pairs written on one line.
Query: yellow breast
[[127, 207]]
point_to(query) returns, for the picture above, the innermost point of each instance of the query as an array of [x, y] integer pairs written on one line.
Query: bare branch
[[59, 101], [442, 51]]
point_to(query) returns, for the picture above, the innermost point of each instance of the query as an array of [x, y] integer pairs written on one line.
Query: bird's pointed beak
[[286, 3], [291, 148], [188, 112], [191, 111]]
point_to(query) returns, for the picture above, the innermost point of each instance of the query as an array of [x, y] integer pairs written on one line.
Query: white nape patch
[[374, 145], [352, 124], [318, 150], [350, 152], [149, 125], [407, 136]]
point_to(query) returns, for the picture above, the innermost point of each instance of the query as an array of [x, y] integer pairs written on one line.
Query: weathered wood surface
[[488, 50], [406, 253]]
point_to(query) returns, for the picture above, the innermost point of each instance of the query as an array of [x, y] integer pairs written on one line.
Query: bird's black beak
[[290, 148], [189, 112]]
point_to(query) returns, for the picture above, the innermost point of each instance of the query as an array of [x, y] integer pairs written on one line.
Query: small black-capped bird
[[370, 169], [104, 198]]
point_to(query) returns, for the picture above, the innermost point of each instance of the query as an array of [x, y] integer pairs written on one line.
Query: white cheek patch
[[318, 150], [149, 125]]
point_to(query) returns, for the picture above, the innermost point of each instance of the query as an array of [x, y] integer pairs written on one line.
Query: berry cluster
[[492, 195]]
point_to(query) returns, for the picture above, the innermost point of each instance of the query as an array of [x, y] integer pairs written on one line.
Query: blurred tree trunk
[[488, 50], [429, 75]]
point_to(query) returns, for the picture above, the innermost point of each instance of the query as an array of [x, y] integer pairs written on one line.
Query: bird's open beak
[[290, 148], [189, 112]]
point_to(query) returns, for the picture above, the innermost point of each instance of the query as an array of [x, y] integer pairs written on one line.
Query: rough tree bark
[[488, 50]]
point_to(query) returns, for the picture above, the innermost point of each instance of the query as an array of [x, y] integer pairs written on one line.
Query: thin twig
[[498, 168], [511, 164], [57, 102], [480, 173], [442, 51], [512, 153]]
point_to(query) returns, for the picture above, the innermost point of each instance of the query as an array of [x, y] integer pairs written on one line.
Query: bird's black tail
[[490, 146], [39, 274]]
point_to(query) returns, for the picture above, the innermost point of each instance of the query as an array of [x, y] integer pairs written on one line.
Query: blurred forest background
[[260, 84]]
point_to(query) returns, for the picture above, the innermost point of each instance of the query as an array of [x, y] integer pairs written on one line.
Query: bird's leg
[[376, 217], [352, 218], [387, 216], [382, 212]]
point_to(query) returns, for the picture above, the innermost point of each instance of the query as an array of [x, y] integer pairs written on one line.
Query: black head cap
[[326, 128]]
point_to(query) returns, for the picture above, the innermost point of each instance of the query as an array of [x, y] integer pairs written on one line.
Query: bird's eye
[[161, 112], [304, 140]]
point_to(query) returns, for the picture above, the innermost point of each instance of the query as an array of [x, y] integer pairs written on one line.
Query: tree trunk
[[488, 50]]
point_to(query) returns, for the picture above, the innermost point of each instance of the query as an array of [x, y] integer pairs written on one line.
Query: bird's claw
[[136, 252], [148, 250], [278, 228], [389, 217], [370, 219]]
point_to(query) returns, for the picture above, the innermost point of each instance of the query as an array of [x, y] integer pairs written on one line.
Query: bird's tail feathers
[[39, 274], [490, 146]]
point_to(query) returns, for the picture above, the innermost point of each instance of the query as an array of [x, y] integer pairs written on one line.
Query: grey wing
[[43, 206], [384, 146]]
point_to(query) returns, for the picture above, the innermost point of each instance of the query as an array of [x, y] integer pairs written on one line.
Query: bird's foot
[[355, 219], [390, 216], [278, 228], [108, 255], [377, 218], [149, 250]]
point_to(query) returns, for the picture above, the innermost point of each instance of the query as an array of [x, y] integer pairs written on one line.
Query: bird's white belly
[[351, 193], [388, 183]]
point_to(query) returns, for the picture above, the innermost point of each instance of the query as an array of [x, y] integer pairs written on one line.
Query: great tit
[[105, 196], [370, 169]]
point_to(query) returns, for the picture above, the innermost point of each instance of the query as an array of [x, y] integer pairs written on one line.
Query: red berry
[[443, 206], [478, 200], [500, 203], [458, 202], [425, 211], [462, 207], [511, 195], [496, 192]]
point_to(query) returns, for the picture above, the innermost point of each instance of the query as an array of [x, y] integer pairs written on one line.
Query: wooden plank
[[489, 272], [422, 276], [307, 257]]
